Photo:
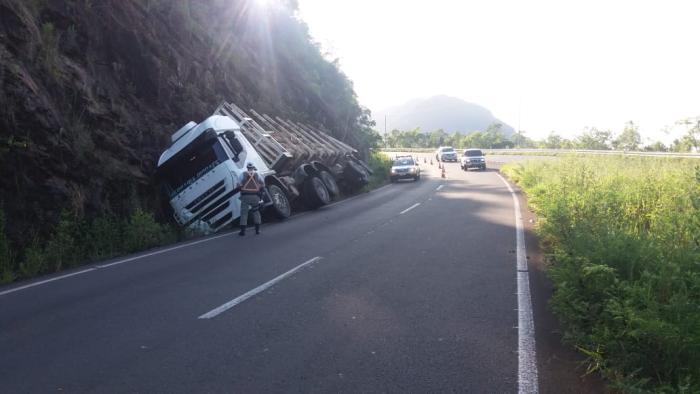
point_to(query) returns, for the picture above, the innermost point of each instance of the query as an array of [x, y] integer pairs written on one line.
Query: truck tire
[[331, 184], [355, 173], [315, 192], [280, 207]]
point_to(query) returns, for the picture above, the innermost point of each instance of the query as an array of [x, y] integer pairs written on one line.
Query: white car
[[446, 153], [404, 167]]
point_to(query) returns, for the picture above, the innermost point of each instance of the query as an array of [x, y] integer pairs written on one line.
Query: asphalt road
[[409, 288]]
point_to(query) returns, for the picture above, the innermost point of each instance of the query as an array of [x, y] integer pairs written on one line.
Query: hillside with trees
[[90, 92]]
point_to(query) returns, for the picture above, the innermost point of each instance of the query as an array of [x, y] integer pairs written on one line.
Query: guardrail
[[557, 152]]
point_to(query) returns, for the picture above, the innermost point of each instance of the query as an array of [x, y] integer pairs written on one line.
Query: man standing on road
[[251, 185]]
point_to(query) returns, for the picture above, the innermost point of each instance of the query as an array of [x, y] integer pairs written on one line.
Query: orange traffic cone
[[443, 171]]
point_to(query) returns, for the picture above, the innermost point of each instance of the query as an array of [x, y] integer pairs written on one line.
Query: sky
[[541, 65]]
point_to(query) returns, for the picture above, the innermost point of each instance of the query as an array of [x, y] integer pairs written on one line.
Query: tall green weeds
[[380, 163], [75, 241], [623, 237], [6, 257]]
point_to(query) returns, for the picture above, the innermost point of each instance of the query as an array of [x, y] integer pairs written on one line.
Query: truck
[[302, 165]]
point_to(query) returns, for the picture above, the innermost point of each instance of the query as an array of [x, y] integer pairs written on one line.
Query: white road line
[[223, 308], [439, 188], [357, 196], [45, 281], [100, 266], [162, 251], [527, 359], [409, 208]]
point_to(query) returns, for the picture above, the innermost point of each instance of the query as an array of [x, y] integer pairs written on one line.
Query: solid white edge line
[[163, 251], [100, 266], [527, 358], [223, 308], [409, 208], [45, 281]]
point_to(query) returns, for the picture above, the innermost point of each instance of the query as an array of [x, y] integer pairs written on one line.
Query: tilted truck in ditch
[[200, 169]]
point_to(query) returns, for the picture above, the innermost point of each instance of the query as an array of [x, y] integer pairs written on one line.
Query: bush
[[35, 261], [380, 164], [6, 257], [64, 246], [75, 241], [141, 232], [623, 239]]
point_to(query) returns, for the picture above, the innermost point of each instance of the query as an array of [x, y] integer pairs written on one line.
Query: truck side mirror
[[235, 145]]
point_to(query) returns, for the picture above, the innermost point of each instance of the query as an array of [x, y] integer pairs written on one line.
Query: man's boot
[[242, 233], [257, 229]]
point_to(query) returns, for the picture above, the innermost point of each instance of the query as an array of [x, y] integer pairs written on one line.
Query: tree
[[520, 140], [629, 139], [594, 139], [437, 138], [690, 142], [494, 137], [553, 141], [657, 146]]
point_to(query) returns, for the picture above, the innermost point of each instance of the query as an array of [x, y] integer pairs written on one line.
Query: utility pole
[[386, 141], [519, 132]]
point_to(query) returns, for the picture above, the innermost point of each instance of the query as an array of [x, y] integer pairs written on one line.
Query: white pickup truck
[[199, 170], [472, 158]]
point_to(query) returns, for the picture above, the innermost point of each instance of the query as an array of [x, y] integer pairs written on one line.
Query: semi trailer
[[299, 163]]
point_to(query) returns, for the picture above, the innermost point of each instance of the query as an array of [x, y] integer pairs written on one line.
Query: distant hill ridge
[[439, 112]]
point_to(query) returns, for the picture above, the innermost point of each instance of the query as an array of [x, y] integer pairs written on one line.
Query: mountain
[[90, 92], [439, 112]]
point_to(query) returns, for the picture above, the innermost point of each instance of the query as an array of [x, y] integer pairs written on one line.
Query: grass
[[75, 241], [380, 163], [623, 241]]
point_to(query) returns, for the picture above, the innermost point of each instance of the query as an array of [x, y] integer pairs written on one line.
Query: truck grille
[[210, 203], [206, 197]]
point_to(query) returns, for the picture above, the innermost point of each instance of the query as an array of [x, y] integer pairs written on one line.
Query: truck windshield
[[188, 169], [473, 153]]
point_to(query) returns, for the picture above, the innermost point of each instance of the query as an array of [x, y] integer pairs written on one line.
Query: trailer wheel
[[280, 203], [315, 192], [331, 184], [357, 173]]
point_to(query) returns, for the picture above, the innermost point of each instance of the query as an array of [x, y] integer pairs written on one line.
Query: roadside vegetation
[[380, 163], [622, 236], [75, 240]]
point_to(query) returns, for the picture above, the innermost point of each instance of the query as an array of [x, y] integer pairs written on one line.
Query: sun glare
[[266, 3]]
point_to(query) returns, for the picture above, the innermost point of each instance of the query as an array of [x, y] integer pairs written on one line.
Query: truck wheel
[[280, 203], [355, 174], [331, 184], [315, 192]]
